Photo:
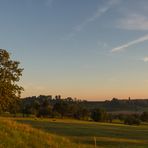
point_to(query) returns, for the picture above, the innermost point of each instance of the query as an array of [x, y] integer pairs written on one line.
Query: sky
[[88, 49]]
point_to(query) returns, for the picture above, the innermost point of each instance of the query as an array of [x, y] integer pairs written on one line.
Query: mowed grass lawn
[[86, 133]]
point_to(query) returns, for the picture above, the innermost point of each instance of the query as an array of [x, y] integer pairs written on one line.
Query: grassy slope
[[16, 135], [70, 133], [107, 135]]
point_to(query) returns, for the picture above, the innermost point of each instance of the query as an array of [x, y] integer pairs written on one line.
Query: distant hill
[[114, 105], [135, 105]]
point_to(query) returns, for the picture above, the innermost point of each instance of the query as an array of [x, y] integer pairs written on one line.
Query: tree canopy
[[10, 74]]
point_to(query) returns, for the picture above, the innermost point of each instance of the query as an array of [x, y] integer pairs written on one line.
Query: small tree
[[45, 109], [99, 115], [82, 114], [10, 73]]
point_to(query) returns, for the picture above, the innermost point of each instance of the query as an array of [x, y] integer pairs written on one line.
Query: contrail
[[137, 41]]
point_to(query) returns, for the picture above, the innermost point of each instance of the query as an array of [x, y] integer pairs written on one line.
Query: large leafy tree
[[10, 74]]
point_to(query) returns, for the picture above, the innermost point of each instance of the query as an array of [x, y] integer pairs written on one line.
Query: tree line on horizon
[[46, 106]]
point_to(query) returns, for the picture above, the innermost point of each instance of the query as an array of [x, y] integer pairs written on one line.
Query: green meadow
[[65, 133]]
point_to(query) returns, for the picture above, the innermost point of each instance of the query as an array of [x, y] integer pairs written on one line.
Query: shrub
[[131, 120], [144, 116]]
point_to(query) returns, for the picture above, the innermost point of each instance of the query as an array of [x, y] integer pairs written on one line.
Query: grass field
[[72, 133], [16, 135]]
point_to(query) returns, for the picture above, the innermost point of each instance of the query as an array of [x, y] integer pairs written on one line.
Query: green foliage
[[144, 116], [82, 114], [45, 111], [14, 108], [132, 120], [99, 115], [61, 107], [10, 73], [121, 117]]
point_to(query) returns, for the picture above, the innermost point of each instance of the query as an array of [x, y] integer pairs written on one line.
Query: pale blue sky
[[90, 49]]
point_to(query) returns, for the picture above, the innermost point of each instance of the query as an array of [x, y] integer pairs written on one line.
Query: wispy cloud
[[145, 59], [98, 13], [133, 22], [124, 46]]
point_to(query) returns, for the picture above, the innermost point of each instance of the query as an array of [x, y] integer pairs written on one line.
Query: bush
[[122, 117], [131, 120], [144, 116]]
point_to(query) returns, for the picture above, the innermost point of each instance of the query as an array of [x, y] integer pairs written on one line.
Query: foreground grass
[[106, 135], [16, 135], [56, 133]]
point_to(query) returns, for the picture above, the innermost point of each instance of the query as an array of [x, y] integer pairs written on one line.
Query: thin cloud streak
[[99, 12], [124, 46]]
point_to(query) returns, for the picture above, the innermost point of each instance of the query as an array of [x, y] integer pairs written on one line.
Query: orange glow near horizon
[[91, 96]]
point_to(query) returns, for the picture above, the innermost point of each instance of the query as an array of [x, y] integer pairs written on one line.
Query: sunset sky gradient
[[89, 49]]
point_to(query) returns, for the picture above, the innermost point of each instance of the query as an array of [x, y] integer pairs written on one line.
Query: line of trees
[[60, 108], [46, 106]]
